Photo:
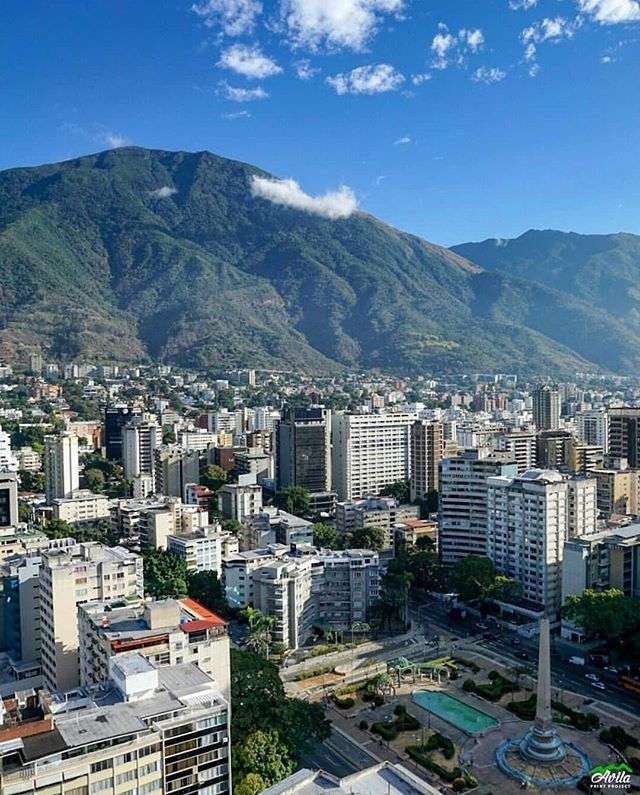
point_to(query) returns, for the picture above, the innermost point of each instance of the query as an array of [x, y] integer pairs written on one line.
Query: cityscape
[[320, 397]]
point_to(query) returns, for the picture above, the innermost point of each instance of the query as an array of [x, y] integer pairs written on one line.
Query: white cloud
[[335, 24], [115, 140], [249, 61], [488, 75], [304, 70], [233, 17], [242, 94], [164, 192], [420, 78], [240, 114], [372, 79], [611, 12], [287, 192], [452, 48], [607, 59], [402, 141], [522, 5], [549, 29]]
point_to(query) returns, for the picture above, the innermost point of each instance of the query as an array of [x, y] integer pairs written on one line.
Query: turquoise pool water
[[464, 717]]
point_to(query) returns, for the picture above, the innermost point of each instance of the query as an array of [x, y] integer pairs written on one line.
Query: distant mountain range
[[140, 255]]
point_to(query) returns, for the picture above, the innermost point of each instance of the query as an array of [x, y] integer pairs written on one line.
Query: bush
[[468, 664], [386, 732], [363, 725], [453, 674], [367, 696], [378, 700], [399, 709], [469, 686], [438, 740], [459, 785], [526, 710], [343, 702], [417, 753]]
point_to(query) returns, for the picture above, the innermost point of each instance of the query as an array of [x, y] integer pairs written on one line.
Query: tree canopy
[[165, 574], [606, 614], [293, 499], [325, 536]]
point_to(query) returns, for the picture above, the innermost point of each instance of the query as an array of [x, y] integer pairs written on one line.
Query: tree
[[263, 754], [250, 785], [165, 574], [473, 577], [399, 491], [429, 503], [374, 538], [213, 477], [607, 614], [325, 536], [95, 480], [31, 481], [205, 587], [393, 605], [258, 702], [58, 528], [293, 499], [231, 526]]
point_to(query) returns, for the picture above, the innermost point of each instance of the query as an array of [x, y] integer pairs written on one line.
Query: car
[[522, 655], [482, 626], [612, 669], [593, 677], [599, 685], [387, 720]]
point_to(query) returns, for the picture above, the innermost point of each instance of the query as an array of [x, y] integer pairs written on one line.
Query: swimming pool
[[468, 719]]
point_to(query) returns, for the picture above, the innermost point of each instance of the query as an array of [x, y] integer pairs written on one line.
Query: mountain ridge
[[139, 255]]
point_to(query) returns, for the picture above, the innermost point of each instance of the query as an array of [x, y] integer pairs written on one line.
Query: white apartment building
[[529, 518], [81, 506], [204, 549], [593, 428], [241, 500], [521, 447], [462, 521], [197, 439], [160, 731], [158, 522], [72, 576], [370, 451], [61, 467], [8, 461], [167, 632], [239, 568], [29, 459], [140, 439]]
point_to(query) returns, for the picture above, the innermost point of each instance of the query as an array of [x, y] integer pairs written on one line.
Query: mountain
[[136, 254], [601, 270]]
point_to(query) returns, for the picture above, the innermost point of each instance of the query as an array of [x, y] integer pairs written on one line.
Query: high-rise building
[[174, 469], [303, 449], [61, 467], [8, 499], [624, 434], [462, 493], [593, 428], [553, 449], [618, 491], [521, 446], [426, 450], [529, 519], [8, 461], [161, 730], [546, 407], [370, 451], [115, 418], [139, 442], [72, 576], [382, 512]]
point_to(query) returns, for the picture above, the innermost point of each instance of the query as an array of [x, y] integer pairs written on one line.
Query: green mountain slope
[[602, 270], [94, 264]]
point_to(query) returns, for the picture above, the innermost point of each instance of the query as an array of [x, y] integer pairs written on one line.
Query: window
[[123, 759], [152, 786], [150, 749], [128, 775], [103, 764], [151, 767], [100, 786]]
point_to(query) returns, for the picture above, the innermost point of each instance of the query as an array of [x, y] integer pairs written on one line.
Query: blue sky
[[453, 119]]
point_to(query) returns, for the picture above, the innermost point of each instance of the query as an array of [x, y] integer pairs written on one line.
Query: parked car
[[593, 677], [599, 685]]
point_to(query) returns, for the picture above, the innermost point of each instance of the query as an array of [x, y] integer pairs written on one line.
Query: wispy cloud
[[522, 5], [420, 78], [372, 79], [611, 12], [240, 114], [488, 75], [163, 193], [450, 48], [115, 140], [402, 141], [304, 69], [248, 61], [288, 193], [335, 24], [232, 17], [242, 94], [549, 29]]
